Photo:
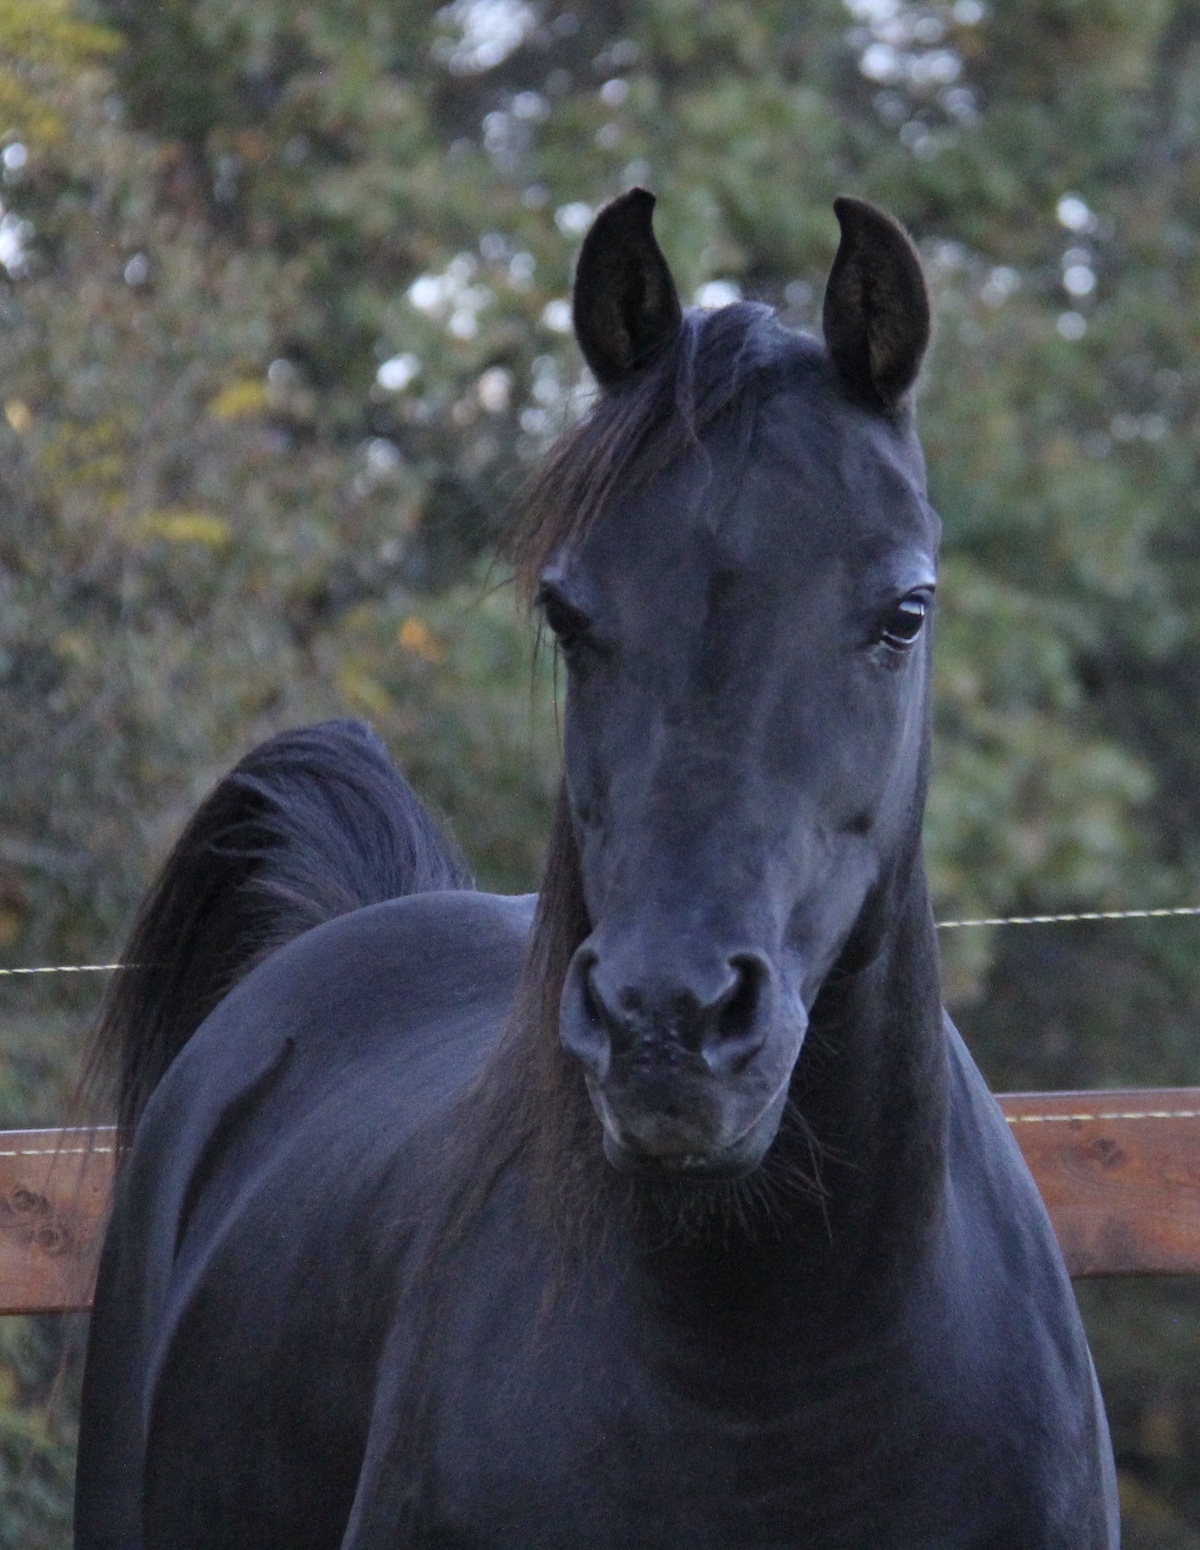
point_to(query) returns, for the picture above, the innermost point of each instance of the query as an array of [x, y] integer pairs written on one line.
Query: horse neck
[[867, 1124], [872, 1085]]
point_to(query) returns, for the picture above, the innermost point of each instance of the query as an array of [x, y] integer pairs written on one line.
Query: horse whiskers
[[673, 1212], [681, 1214]]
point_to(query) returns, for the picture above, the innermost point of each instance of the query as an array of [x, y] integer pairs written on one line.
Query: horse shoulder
[[276, 1164], [1028, 1376], [990, 1182]]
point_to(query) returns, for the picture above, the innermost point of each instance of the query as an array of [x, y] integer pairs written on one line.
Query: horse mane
[[312, 824]]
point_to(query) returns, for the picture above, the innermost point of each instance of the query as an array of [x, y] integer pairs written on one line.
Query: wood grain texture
[[1119, 1171], [54, 1194], [1120, 1174]]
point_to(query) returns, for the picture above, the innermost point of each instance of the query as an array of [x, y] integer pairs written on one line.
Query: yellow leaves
[[44, 32], [186, 527], [367, 649], [19, 415], [364, 690], [40, 37], [240, 400], [81, 457], [416, 636]]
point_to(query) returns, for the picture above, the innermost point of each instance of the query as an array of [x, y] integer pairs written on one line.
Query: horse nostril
[[584, 1022], [607, 1015], [737, 1032], [592, 1009], [737, 1014], [603, 1019]]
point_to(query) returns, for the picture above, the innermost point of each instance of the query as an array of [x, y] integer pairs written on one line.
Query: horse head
[[744, 621]]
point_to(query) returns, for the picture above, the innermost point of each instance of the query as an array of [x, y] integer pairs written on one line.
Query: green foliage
[[282, 326], [41, 45]]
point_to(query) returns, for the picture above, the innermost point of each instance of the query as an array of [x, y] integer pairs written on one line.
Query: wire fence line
[[942, 925], [66, 968], [1057, 920]]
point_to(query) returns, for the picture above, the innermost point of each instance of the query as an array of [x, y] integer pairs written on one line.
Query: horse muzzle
[[642, 1142], [688, 1071]]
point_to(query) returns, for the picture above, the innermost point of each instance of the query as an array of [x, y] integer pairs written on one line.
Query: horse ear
[[625, 303], [876, 316]]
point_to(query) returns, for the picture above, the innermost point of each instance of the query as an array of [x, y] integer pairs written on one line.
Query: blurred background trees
[[284, 320]]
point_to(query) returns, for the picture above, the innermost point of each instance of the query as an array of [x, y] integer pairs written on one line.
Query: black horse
[[673, 1212]]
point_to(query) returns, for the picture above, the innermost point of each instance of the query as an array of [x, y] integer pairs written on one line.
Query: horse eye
[[902, 623], [567, 623]]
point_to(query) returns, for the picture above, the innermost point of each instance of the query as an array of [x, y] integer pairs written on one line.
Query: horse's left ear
[[876, 316], [625, 302]]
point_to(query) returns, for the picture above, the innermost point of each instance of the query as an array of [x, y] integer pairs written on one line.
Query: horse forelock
[[717, 361]]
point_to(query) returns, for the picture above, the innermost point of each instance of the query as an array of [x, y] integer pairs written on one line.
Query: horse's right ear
[[625, 302]]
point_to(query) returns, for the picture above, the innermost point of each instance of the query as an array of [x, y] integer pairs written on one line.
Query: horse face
[[747, 648], [744, 738]]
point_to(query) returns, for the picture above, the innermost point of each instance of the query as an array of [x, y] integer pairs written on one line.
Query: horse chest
[[619, 1437]]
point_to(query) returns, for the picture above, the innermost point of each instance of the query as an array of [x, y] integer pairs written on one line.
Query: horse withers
[[672, 1212]]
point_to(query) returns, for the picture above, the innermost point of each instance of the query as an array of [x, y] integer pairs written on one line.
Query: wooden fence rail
[[1118, 1170], [1120, 1174]]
